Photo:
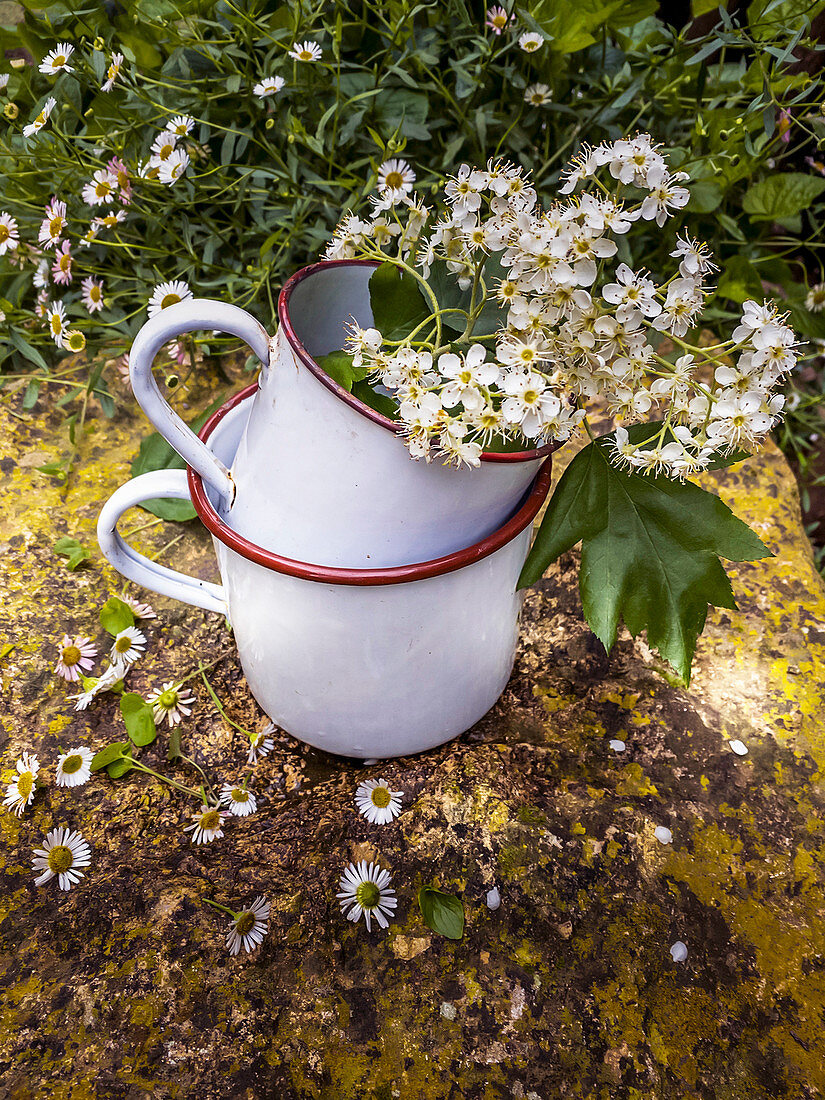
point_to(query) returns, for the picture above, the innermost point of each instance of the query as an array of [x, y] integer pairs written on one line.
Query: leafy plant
[[443, 913]]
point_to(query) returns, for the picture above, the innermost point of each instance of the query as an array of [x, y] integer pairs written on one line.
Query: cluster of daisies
[[498, 21], [573, 328], [56, 254], [307, 51]]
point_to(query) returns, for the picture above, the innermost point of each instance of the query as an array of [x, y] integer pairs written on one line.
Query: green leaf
[[444, 913], [378, 401], [450, 296], [115, 616], [705, 196], [119, 768], [782, 195], [111, 753], [54, 469], [739, 280], [31, 395], [338, 365], [139, 718], [650, 552], [396, 301], [156, 454], [28, 350], [73, 551]]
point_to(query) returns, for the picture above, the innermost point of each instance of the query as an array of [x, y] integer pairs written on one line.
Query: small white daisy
[[4, 79], [395, 179], [167, 294], [76, 655], [181, 125], [815, 300], [112, 72], [42, 118], [238, 800], [365, 889], [530, 42], [57, 59], [164, 146], [75, 340], [92, 296], [93, 686], [51, 228], [173, 167], [9, 239], [260, 743], [56, 318], [538, 95], [74, 767], [306, 51], [62, 854], [377, 803], [171, 703], [20, 791], [128, 646], [249, 926], [207, 825], [139, 610], [270, 85]]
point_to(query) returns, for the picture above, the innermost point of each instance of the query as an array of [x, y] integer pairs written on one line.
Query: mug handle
[[136, 567], [188, 316]]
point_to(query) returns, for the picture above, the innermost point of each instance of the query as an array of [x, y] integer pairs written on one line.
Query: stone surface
[[123, 987]]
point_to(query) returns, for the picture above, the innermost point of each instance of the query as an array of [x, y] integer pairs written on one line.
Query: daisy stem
[[163, 778], [206, 785], [222, 908], [220, 706]]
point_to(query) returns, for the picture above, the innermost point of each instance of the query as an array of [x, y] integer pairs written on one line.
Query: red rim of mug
[[327, 574], [339, 391]]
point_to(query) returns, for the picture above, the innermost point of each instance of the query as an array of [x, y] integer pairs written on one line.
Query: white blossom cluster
[[576, 326]]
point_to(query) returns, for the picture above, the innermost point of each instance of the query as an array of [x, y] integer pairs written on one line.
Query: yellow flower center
[[305, 55], [240, 795], [59, 60], [124, 644], [11, 110], [70, 655], [499, 21], [94, 293], [72, 764], [530, 397], [818, 296], [527, 355], [367, 895], [77, 341], [56, 324], [60, 859], [55, 225], [169, 300], [103, 188], [112, 72], [168, 699], [5, 233], [394, 180], [244, 924], [380, 797], [210, 820], [25, 784], [65, 262], [166, 151]]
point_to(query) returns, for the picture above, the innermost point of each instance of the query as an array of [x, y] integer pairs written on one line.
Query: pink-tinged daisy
[[74, 768], [270, 85], [76, 655], [238, 800], [41, 306], [62, 266], [20, 791], [62, 855], [377, 803], [123, 371], [181, 125], [138, 609], [57, 59], [51, 228], [249, 926], [41, 276], [127, 646], [260, 744], [124, 182], [306, 51], [9, 239], [112, 72], [100, 188], [497, 19], [108, 221], [41, 120], [56, 317], [207, 825], [92, 297], [365, 891], [173, 167], [171, 703], [168, 294]]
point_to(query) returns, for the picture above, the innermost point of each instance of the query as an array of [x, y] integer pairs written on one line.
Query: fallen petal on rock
[[678, 951], [663, 834], [493, 898], [617, 745], [739, 747]]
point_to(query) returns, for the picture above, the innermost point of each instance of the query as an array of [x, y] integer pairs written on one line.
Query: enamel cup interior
[[323, 303]]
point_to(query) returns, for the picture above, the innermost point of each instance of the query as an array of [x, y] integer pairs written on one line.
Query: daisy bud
[[75, 340]]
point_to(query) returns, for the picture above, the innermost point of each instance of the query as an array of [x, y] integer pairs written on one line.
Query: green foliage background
[[270, 179]]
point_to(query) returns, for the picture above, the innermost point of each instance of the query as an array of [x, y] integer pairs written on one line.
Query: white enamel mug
[[375, 662], [318, 475]]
